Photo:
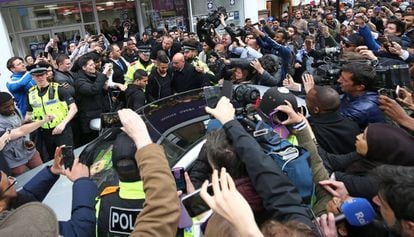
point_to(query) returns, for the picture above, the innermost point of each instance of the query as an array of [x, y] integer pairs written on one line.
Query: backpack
[[293, 160]]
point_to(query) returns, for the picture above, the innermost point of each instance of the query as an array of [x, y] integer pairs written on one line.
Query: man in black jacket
[[169, 47], [159, 80], [90, 96], [334, 133], [135, 95], [186, 76], [63, 75]]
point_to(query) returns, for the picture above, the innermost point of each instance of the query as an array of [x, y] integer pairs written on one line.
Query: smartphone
[[68, 156], [179, 178], [194, 204], [108, 65], [227, 89], [110, 120], [212, 95]]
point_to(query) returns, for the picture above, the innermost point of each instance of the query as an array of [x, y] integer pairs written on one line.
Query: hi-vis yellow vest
[[49, 103], [129, 76]]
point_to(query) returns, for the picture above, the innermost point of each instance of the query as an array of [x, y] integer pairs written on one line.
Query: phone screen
[[110, 120], [68, 156], [194, 204], [212, 94], [178, 174]]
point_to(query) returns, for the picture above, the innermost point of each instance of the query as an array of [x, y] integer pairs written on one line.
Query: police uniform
[[139, 64], [118, 207], [195, 61], [54, 100]]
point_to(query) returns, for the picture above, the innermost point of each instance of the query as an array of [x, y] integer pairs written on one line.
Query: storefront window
[[47, 15], [115, 16], [91, 29], [87, 12], [158, 14]]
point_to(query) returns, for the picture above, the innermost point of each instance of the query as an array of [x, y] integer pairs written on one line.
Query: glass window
[[47, 15], [15, 44], [33, 44], [160, 13], [91, 29], [87, 12], [115, 16]]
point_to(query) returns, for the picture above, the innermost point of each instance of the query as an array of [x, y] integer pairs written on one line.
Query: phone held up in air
[[179, 178], [194, 204], [68, 156], [110, 120]]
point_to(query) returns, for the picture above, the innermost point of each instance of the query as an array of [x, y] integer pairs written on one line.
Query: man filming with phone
[[50, 98]]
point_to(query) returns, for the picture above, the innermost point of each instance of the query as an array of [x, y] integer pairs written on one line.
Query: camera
[[329, 68], [391, 76], [206, 26], [246, 94], [333, 51], [235, 32], [391, 93]]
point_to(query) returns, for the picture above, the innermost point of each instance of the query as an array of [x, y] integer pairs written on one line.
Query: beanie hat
[[124, 148], [32, 219], [380, 149], [274, 97]]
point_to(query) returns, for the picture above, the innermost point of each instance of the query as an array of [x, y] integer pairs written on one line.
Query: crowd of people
[[358, 130]]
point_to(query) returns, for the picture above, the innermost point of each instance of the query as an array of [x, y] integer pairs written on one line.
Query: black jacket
[[90, 97], [119, 72], [66, 79], [176, 47], [279, 195], [135, 97], [158, 87], [188, 78], [334, 133]]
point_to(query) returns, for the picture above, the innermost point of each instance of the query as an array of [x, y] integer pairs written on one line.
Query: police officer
[[144, 62], [50, 98], [190, 51], [118, 206]]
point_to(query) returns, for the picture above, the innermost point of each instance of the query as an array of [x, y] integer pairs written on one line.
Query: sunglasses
[[12, 182]]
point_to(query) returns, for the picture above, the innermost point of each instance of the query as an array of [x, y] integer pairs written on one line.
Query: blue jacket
[[82, 221], [19, 85], [84, 192], [282, 51], [362, 109], [369, 40]]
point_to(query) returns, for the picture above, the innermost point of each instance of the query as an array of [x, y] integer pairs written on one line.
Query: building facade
[[26, 26]]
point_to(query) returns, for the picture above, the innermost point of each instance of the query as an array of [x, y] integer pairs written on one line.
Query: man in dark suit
[[187, 77], [120, 67], [168, 45]]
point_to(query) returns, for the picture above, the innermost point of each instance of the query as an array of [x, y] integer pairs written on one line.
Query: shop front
[[29, 25]]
